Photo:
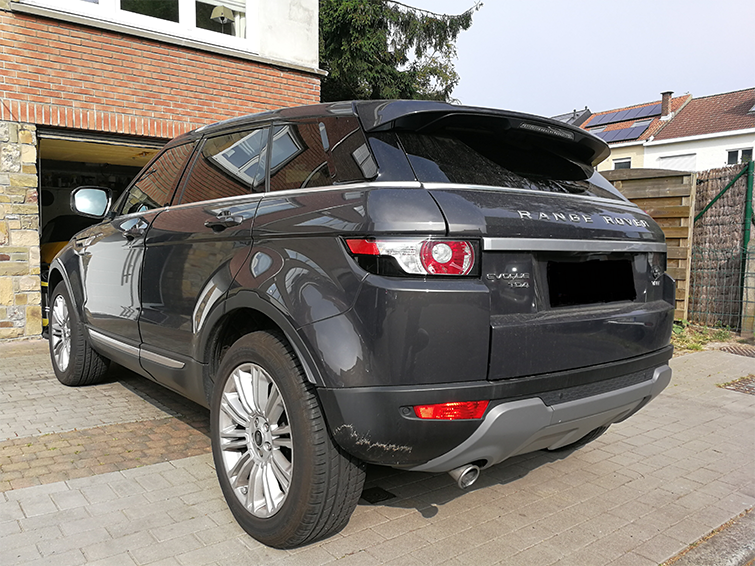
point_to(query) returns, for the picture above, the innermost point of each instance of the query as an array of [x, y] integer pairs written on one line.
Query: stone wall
[[20, 296]]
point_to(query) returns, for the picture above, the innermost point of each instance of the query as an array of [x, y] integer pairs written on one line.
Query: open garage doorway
[[68, 160]]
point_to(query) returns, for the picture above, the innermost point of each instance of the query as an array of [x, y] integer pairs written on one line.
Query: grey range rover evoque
[[407, 283]]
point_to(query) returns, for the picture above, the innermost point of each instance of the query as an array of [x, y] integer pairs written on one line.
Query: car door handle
[[135, 231], [222, 221]]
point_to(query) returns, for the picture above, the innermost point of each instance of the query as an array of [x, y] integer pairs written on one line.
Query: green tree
[[374, 49]]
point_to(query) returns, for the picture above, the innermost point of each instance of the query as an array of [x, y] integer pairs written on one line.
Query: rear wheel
[[73, 359], [285, 481]]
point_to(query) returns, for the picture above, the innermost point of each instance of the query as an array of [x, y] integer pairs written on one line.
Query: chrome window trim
[[349, 186], [553, 245]]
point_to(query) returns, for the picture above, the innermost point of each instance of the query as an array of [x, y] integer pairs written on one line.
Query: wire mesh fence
[[722, 272]]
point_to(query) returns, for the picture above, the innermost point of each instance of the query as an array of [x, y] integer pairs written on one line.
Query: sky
[[550, 57]]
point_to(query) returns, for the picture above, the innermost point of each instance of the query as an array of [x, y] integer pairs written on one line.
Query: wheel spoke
[[269, 485], [283, 443], [232, 406], [282, 470], [281, 430], [259, 387], [235, 439], [255, 491], [274, 407], [242, 381], [240, 473]]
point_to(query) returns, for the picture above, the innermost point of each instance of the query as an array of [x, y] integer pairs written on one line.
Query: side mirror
[[93, 202]]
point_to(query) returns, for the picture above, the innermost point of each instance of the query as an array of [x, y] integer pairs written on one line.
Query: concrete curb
[[732, 545]]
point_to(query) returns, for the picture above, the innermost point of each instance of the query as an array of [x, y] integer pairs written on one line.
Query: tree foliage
[[375, 49]]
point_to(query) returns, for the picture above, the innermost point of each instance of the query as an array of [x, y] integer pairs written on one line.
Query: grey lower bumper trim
[[527, 425]]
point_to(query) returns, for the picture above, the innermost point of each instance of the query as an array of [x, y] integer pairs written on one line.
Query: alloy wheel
[[60, 333], [255, 440]]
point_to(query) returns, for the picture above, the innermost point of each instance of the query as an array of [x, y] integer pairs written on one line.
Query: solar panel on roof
[[599, 120], [633, 113], [653, 110], [624, 134], [622, 115]]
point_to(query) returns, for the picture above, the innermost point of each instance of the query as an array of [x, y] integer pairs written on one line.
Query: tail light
[[452, 411], [417, 257]]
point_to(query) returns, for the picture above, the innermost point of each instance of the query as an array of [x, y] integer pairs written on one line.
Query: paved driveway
[[121, 474]]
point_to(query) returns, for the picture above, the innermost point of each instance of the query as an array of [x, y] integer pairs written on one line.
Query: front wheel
[[73, 359], [285, 481]]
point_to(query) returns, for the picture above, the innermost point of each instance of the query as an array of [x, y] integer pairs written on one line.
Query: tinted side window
[[154, 187], [228, 165], [350, 155], [319, 153]]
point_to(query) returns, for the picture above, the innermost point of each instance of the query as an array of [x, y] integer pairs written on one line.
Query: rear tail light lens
[[420, 257], [452, 411]]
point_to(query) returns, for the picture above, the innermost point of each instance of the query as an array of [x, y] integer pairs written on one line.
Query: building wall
[[297, 20], [61, 74], [55, 73], [710, 151], [634, 151], [20, 299]]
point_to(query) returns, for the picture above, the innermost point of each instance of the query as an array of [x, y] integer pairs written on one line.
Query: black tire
[[312, 485], [586, 439], [73, 359]]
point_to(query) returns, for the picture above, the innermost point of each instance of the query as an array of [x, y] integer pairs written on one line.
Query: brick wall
[[61, 74]]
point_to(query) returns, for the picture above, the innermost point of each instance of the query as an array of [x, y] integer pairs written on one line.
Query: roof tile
[[656, 124], [712, 114]]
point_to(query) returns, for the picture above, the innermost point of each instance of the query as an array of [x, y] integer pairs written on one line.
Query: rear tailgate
[[574, 281]]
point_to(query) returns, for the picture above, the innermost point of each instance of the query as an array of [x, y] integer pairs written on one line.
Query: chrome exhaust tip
[[465, 476]]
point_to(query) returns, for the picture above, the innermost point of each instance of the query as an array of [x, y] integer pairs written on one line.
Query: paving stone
[[680, 467], [99, 550]]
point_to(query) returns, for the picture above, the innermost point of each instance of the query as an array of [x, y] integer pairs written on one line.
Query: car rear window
[[514, 161]]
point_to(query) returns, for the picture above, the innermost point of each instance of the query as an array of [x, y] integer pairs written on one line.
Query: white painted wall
[[288, 30], [284, 31], [710, 151]]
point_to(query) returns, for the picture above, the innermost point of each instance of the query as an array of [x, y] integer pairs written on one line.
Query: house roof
[[636, 113], [725, 112], [575, 117]]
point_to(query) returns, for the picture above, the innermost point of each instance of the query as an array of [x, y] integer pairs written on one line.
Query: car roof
[[424, 116]]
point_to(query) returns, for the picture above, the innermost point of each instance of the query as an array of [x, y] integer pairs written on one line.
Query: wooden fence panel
[[669, 198]]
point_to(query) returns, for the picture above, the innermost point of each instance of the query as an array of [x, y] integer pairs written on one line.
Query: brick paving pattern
[[636, 496]]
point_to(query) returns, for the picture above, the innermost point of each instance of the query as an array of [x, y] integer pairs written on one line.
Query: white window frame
[[622, 160], [110, 11], [739, 155]]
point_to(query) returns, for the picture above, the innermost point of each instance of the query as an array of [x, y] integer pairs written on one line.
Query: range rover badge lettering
[[581, 218]]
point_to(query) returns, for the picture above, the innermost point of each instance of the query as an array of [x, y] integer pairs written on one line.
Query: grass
[[688, 337]]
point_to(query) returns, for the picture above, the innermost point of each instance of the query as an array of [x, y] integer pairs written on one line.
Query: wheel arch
[[57, 273], [242, 313]]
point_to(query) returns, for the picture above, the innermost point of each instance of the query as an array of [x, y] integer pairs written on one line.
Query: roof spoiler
[[435, 117]]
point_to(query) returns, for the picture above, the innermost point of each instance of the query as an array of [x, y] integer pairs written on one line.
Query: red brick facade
[[56, 73]]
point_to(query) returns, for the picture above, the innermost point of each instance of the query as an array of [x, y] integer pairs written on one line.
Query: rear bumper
[[378, 425], [524, 426]]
